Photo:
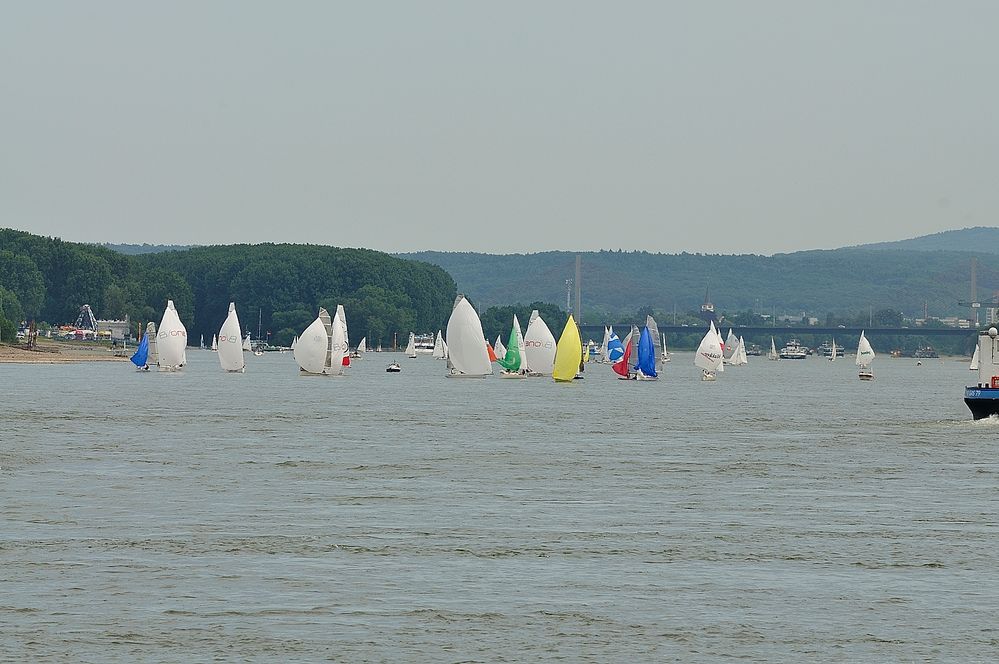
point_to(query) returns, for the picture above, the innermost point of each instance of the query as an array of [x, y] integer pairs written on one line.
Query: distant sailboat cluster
[[323, 348]]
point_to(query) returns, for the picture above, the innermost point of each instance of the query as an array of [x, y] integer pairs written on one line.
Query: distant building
[[119, 329]]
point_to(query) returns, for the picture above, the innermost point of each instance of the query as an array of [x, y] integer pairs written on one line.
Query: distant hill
[[815, 282], [982, 239], [136, 249]]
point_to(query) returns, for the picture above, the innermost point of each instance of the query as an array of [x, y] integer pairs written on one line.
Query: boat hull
[[982, 401]]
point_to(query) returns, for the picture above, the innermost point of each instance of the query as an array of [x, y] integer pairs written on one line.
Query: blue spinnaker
[[141, 353], [615, 351], [646, 354]]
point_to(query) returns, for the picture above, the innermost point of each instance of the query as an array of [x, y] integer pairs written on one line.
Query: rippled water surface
[[787, 512]]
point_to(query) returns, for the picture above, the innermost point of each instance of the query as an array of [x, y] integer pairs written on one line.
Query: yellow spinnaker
[[568, 352]]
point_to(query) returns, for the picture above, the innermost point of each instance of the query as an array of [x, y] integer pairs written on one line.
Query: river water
[[787, 512]]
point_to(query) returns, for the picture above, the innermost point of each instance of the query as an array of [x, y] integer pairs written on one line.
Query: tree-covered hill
[[49, 280], [980, 239], [616, 282]]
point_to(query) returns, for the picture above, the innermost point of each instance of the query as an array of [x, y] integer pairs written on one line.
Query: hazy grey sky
[[722, 127]]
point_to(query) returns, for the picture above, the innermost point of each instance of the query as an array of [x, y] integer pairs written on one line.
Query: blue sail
[[646, 354], [615, 351], [141, 353]]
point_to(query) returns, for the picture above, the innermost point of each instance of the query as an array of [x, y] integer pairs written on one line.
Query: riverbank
[[55, 352]]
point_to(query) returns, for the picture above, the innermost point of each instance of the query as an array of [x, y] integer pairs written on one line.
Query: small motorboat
[[393, 368]]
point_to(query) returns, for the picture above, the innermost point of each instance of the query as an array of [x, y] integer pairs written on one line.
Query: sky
[[708, 126]]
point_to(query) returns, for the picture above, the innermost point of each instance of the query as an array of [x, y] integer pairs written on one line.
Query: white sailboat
[[709, 358], [740, 358], [247, 345], [731, 347], [362, 348], [974, 360], [865, 355], [440, 348], [498, 348], [603, 346], [467, 356], [230, 349], [773, 354], [294, 342], [666, 357], [341, 340], [411, 346], [153, 359], [215, 343], [313, 349], [540, 346], [172, 339], [832, 356]]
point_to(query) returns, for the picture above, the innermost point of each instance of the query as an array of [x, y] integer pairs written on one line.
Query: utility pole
[[568, 295]]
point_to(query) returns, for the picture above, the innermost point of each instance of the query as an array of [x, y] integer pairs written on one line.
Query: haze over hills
[[977, 239]]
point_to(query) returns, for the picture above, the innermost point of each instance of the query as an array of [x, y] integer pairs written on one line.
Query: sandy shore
[[52, 352]]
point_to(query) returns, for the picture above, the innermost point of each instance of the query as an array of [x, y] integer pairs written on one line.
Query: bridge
[[596, 332]]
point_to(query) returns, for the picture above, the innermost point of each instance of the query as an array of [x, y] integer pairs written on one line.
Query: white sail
[[467, 353], [440, 351], [341, 316], [740, 358], [294, 342], [832, 357], [865, 354], [230, 349], [603, 347], [773, 354], [721, 344], [215, 342], [973, 367], [172, 338], [312, 348], [153, 359], [362, 346], [411, 346], [539, 346], [246, 343], [731, 346], [338, 343], [498, 348], [709, 353]]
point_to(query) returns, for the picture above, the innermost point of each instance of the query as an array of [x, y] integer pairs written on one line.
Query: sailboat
[[513, 360], [604, 345], [215, 343], [467, 356], [201, 344], [540, 346], [440, 348], [230, 349], [154, 354], [362, 348], [665, 358], [773, 354], [739, 357], [141, 356], [865, 355], [294, 342], [411, 346], [313, 350], [172, 340], [568, 353], [646, 367], [341, 341], [709, 358], [247, 345], [615, 349], [974, 360], [832, 355], [498, 348], [621, 367], [730, 347]]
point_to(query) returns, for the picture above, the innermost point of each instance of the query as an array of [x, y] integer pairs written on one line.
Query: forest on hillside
[[818, 283], [281, 285]]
